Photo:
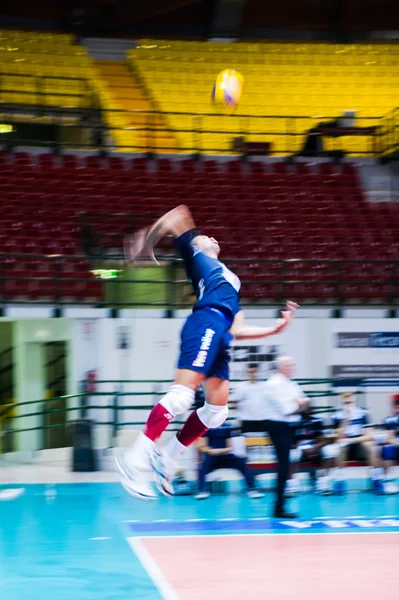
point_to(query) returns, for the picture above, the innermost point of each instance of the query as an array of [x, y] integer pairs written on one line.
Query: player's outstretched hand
[[286, 316], [175, 222], [133, 245]]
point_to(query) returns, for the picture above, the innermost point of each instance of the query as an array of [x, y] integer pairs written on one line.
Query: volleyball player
[[206, 335], [388, 450]]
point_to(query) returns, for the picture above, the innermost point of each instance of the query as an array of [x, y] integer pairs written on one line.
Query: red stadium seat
[[22, 159], [94, 162], [287, 211], [188, 166], [116, 163], [47, 160], [164, 165], [70, 161]]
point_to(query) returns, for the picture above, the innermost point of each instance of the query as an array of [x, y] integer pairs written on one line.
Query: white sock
[[139, 453], [377, 473], [337, 474], [173, 450]]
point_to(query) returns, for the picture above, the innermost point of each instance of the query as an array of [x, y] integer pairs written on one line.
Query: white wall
[[370, 349], [153, 346]]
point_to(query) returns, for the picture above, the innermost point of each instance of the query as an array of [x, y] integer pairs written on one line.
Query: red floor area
[[279, 567]]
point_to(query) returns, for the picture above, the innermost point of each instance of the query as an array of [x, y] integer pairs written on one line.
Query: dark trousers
[[253, 426], [281, 435], [229, 461]]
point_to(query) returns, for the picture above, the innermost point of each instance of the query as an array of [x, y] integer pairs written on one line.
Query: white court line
[[153, 570], [162, 520], [11, 494], [280, 534], [133, 521]]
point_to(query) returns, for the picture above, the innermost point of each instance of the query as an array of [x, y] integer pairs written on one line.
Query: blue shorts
[[390, 452], [205, 340]]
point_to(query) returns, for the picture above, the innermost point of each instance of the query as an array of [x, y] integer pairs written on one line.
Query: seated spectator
[[311, 446], [216, 448], [249, 400], [388, 448], [354, 439]]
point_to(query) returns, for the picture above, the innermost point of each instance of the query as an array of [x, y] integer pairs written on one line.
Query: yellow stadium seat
[[44, 68], [317, 80]]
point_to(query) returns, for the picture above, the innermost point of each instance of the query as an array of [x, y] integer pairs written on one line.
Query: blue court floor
[[74, 541]]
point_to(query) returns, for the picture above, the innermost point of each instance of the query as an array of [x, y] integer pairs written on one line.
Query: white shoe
[[390, 487], [324, 486], [137, 482], [164, 473], [254, 494], [293, 488], [202, 495]]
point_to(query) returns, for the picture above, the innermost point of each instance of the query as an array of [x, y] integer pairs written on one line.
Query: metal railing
[[390, 133], [212, 133], [62, 280], [33, 91], [118, 403]]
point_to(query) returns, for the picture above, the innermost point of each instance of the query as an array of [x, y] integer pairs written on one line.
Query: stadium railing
[[389, 139], [33, 92], [119, 402], [197, 133], [118, 286]]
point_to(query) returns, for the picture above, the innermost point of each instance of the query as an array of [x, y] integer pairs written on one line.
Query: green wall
[[29, 337], [147, 285]]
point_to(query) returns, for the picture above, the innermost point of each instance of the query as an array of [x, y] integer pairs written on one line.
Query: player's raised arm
[[241, 331], [176, 222]]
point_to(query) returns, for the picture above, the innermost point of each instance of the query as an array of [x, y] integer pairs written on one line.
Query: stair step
[[125, 93]]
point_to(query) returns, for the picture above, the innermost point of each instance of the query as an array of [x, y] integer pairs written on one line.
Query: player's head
[[348, 400], [286, 365], [252, 371], [208, 245], [395, 404]]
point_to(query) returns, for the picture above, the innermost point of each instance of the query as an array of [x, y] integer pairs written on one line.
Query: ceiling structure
[[204, 18]]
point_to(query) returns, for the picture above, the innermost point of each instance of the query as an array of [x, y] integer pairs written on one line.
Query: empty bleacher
[[257, 211], [309, 80], [43, 68]]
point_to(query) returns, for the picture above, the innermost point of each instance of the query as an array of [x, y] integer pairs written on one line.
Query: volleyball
[[227, 89]]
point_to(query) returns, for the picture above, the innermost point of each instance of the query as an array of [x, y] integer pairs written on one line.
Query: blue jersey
[[217, 437], [392, 423], [353, 424], [215, 286]]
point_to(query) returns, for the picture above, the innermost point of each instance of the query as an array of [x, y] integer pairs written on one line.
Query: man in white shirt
[[284, 400], [249, 396]]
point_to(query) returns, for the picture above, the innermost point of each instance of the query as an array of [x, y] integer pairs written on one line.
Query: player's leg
[[329, 462], [364, 452], [343, 456], [214, 364], [389, 455], [207, 466], [212, 414], [238, 462], [134, 465], [281, 436], [371, 453], [293, 486]]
